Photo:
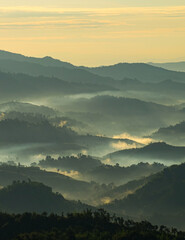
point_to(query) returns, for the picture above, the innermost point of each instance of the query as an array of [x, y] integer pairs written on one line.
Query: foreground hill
[[30, 196], [153, 151], [97, 225], [162, 199], [67, 186], [173, 134]]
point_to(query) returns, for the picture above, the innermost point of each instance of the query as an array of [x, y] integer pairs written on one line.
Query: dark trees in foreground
[[88, 225]]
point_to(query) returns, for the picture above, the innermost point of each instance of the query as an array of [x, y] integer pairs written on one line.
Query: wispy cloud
[[132, 30], [37, 17], [57, 23], [134, 138], [33, 38], [172, 10]]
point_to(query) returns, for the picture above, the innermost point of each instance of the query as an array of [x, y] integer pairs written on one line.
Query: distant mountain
[[174, 66], [114, 115], [162, 199], [174, 134], [30, 196], [48, 138], [69, 75], [154, 151], [22, 107], [92, 169], [45, 61], [15, 131], [47, 66], [80, 163], [118, 175], [167, 87], [100, 145], [21, 86], [141, 71]]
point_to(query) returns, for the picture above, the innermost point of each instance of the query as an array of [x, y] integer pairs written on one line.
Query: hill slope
[[161, 199], [47, 66], [114, 115], [153, 151], [174, 66], [173, 134], [22, 107], [67, 186], [23, 197], [45, 61], [22, 86], [140, 71]]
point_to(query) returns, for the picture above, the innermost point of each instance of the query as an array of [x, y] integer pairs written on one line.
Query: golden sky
[[95, 32]]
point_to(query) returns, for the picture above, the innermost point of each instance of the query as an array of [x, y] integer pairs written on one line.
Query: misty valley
[[79, 145]]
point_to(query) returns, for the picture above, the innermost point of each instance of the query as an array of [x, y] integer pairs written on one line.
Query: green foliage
[[79, 163], [161, 199], [88, 225], [35, 197]]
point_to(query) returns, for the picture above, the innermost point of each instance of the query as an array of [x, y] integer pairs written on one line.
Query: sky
[[93, 33]]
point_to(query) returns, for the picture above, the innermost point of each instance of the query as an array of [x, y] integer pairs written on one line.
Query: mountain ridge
[[142, 71]]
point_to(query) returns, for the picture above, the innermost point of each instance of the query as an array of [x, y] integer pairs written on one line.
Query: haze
[[95, 33]]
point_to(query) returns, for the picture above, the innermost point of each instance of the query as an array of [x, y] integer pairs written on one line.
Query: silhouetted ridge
[[174, 134], [141, 71], [158, 146], [159, 150], [161, 199], [35, 197]]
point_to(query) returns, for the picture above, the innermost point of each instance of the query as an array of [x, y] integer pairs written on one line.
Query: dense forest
[[89, 225]]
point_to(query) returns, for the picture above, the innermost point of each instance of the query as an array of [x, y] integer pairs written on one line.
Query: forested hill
[[89, 225], [30, 196], [157, 150], [162, 199]]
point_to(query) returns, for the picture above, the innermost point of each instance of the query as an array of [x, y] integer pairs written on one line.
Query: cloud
[[63, 23], [106, 200], [81, 34], [141, 140], [72, 174], [171, 10], [46, 38], [2, 116], [34, 17], [122, 145]]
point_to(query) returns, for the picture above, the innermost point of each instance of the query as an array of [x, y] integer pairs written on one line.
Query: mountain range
[[159, 151], [48, 66]]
